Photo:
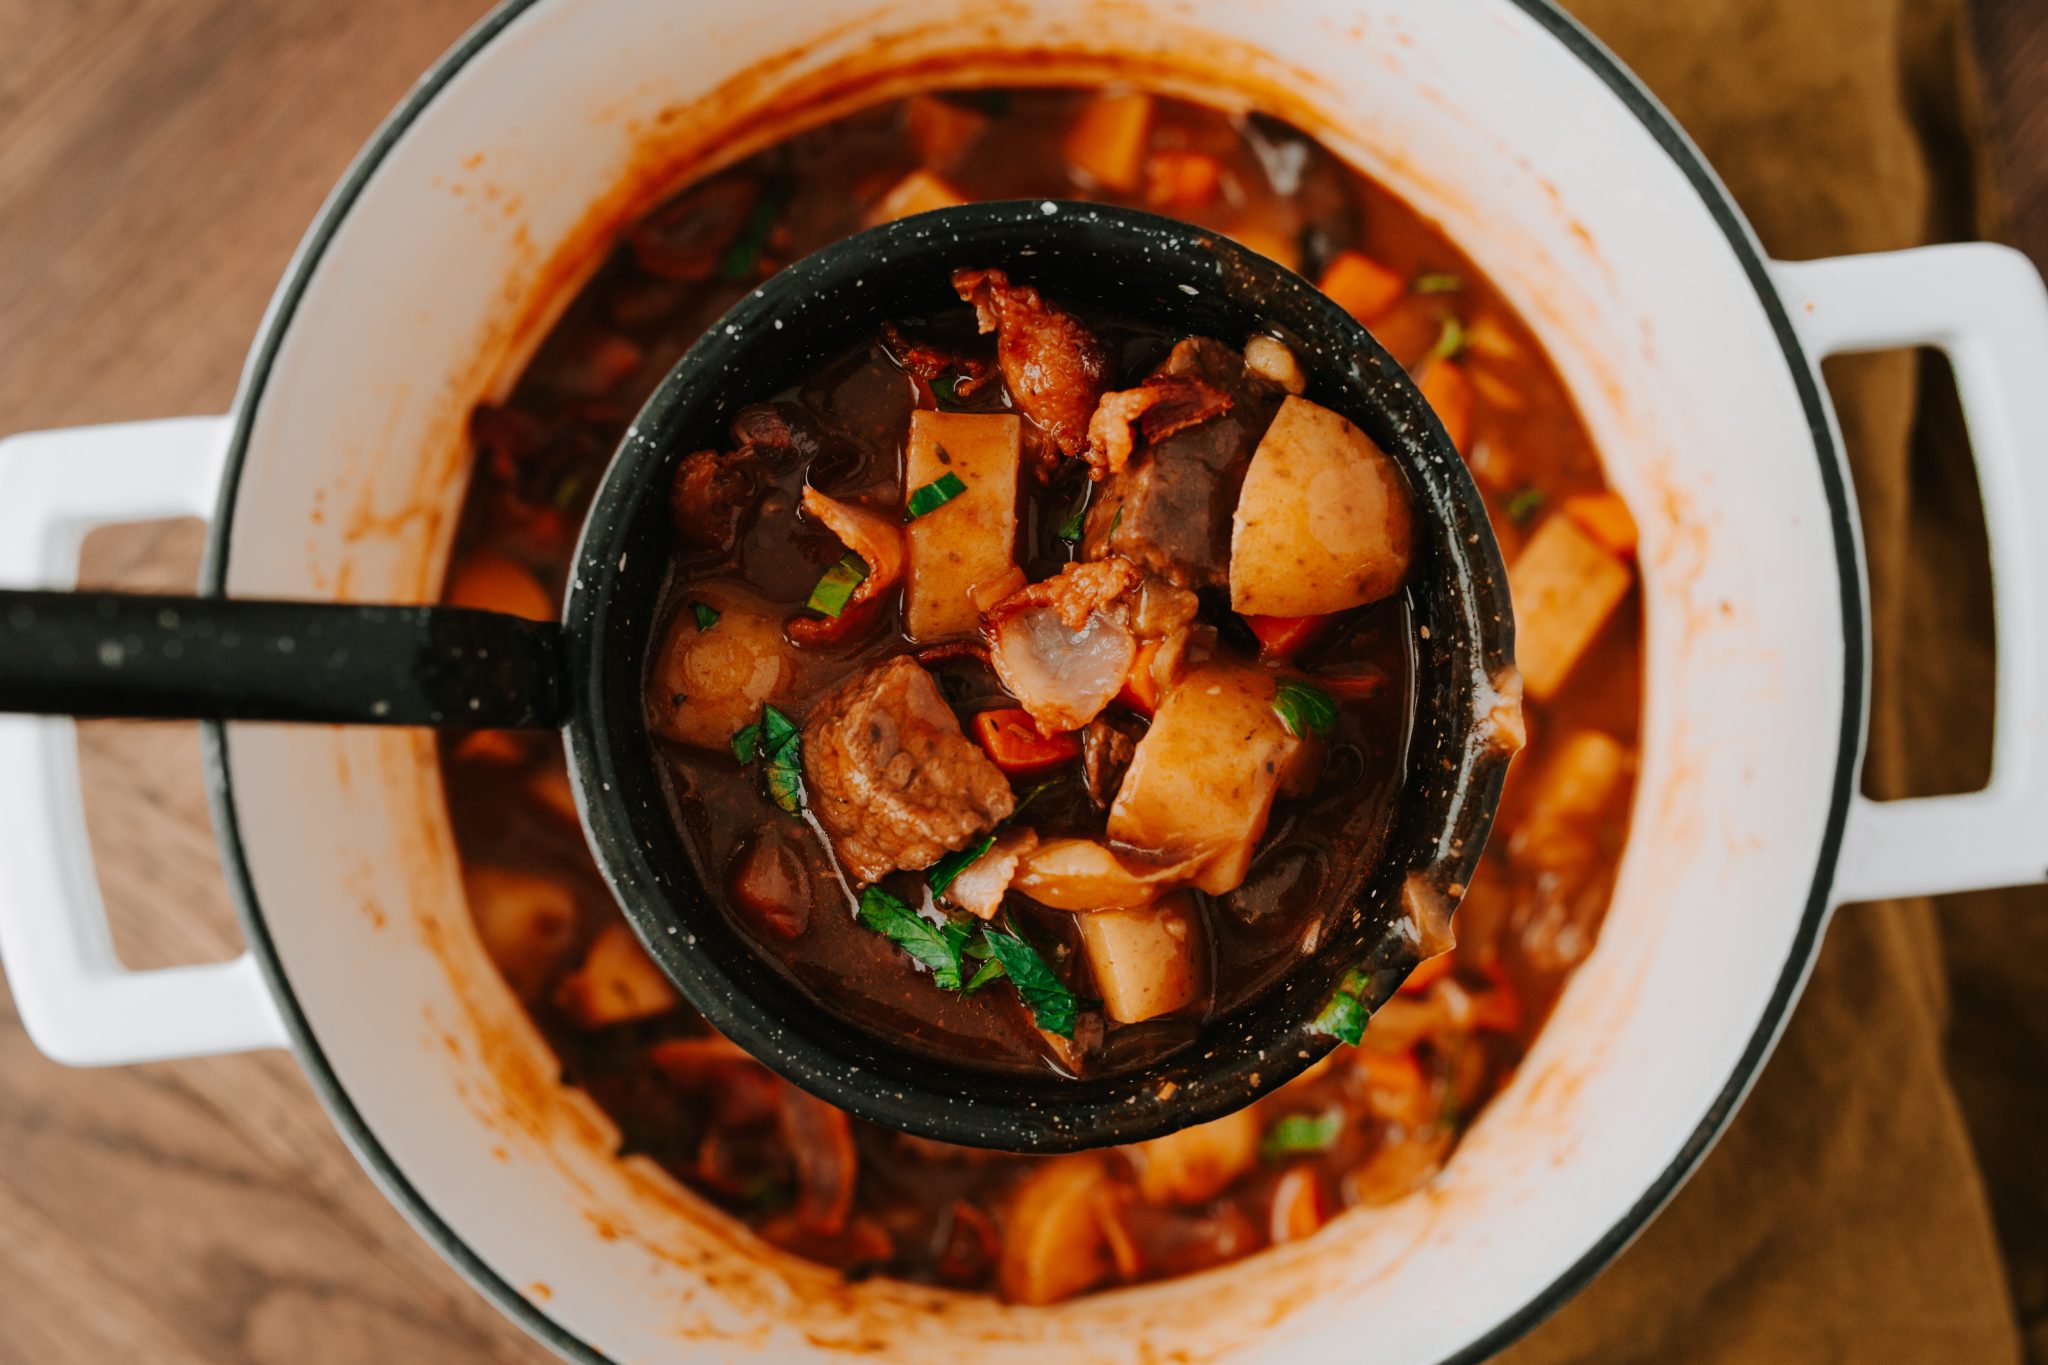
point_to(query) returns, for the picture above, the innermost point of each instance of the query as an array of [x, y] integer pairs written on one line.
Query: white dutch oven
[[1692, 357]]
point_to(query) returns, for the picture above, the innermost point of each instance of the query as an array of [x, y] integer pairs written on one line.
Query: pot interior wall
[[433, 283]]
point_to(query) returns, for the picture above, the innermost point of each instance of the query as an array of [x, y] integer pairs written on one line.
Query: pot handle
[[78, 1003], [1985, 308]]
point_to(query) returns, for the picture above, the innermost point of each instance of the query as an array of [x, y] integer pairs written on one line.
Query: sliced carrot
[[1141, 689], [1606, 518], [1360, 285], [1283, 637], [1299, 1207], [1283, 247], [1426, 974], [1181, 180], [1447, 390], [1107, 142], [1012, 740]]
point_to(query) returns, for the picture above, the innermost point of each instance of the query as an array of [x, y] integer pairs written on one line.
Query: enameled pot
[[436, 264]]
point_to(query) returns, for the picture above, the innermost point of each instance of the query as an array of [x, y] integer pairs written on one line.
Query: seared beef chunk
[[1055, 366], [1106, 748], [1169, 509], [891, 777], [1156, 409], [711, 489]]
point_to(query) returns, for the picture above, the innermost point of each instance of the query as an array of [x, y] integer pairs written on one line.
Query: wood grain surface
[[158, 161]]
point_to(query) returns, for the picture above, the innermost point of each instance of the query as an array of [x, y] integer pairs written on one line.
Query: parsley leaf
[[987, 972], [743, 257], [1449, 341], [1345, 1016], [707, 616], [1048, 998], [946, 391], [1114, 522], [837, 585], [1523, 506], [1030, 795], [1300, 1134], [1440, 283], [934, 495], [1304, 710], [1069, 528], [940, 874], [746, 743], [776, 738], [913, 933]]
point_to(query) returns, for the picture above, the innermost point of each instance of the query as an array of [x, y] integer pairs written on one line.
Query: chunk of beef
[[711, 490], [923, 360], [1160, 406], [1107, 746], [1055, 366], [891, 777], [1169, 509]]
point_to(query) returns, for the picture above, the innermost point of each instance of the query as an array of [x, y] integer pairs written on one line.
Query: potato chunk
[[1107, 141], [1565, 585], [1055, 1247], [1196, 1164], [1146, 960], [918, 192], [1202, 781], [711, 681], [1323, 523], [527, 923], [970, 540], [616, 984]]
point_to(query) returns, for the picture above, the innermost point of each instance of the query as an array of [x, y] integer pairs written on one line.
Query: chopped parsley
[[1345, 1016], [989, 970], [940, 874], [913, 933], [743, 257], [707, 616], [1525, 505], [775, 738], [1304, 710], [1048, 998], [946, 393], [1030, 795], [1114, 522], [1069, 528], [836, 587], [1449, 341], [1443, 282], [1301, 1134], [936, 494]]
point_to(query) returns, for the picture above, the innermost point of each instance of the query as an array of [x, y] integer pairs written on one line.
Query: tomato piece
[[1283, 637], [1013, 741]]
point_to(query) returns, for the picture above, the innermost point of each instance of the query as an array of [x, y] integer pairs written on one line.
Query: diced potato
[[1202, 781], [527, 923], [1606, 518], [940, 129], [1497, 392], [1565, 585], [1360, 285], [1053, 1246], [1488, 336], [970, 540], [918, 192], [1399, 1167], [1196, 1164], [707, 684], [1273, 359], [1299, 1206], [1581, 777], [488, 581], [1147, 960], [1107, 141], [1323, 523], [1448, 392], [616, 984]]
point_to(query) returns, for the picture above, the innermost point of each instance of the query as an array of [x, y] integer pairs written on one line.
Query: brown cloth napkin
[[1845, 1215]]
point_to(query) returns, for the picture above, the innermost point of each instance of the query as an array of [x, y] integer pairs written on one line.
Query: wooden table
[[158, 161]]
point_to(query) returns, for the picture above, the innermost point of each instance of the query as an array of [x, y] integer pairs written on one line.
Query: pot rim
[[1749, 253]]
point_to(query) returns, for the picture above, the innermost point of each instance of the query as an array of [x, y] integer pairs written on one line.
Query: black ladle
[[102, 654]]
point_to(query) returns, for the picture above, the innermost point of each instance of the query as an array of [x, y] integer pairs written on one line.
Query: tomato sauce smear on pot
[[1370, 1124]]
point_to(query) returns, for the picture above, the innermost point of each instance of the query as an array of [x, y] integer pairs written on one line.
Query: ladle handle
[[212, 658]]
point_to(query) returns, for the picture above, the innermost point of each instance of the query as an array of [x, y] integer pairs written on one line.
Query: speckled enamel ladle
[[108, 654]]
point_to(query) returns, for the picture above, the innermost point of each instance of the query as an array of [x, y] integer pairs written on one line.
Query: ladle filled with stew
[[1139, 552]]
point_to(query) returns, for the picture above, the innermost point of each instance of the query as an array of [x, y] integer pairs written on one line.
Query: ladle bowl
[[109, 654]]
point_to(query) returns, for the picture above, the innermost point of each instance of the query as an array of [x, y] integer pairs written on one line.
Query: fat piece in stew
[[951, 623]]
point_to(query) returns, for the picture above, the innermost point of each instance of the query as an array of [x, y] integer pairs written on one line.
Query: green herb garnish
[[1449, 341], [946, 391], [934, 495], [707, 616], [1304, 710], [1031, 794], [1441, 283], [740, 260], [746, 743], [940, 874], [1114, 522], [987, 972], [1345, 1016], [913, 933], [1069, 528], [1525, 505], [833, 590], [1301, 1134], [776, 738], [1048, 998]]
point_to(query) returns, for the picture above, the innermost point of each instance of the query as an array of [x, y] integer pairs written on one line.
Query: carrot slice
[[1181, 180], [1141, 689], [1449, 392], [1360, 285], [1012, 740], [1107, 141], [1606, 518], [1283, 637]]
